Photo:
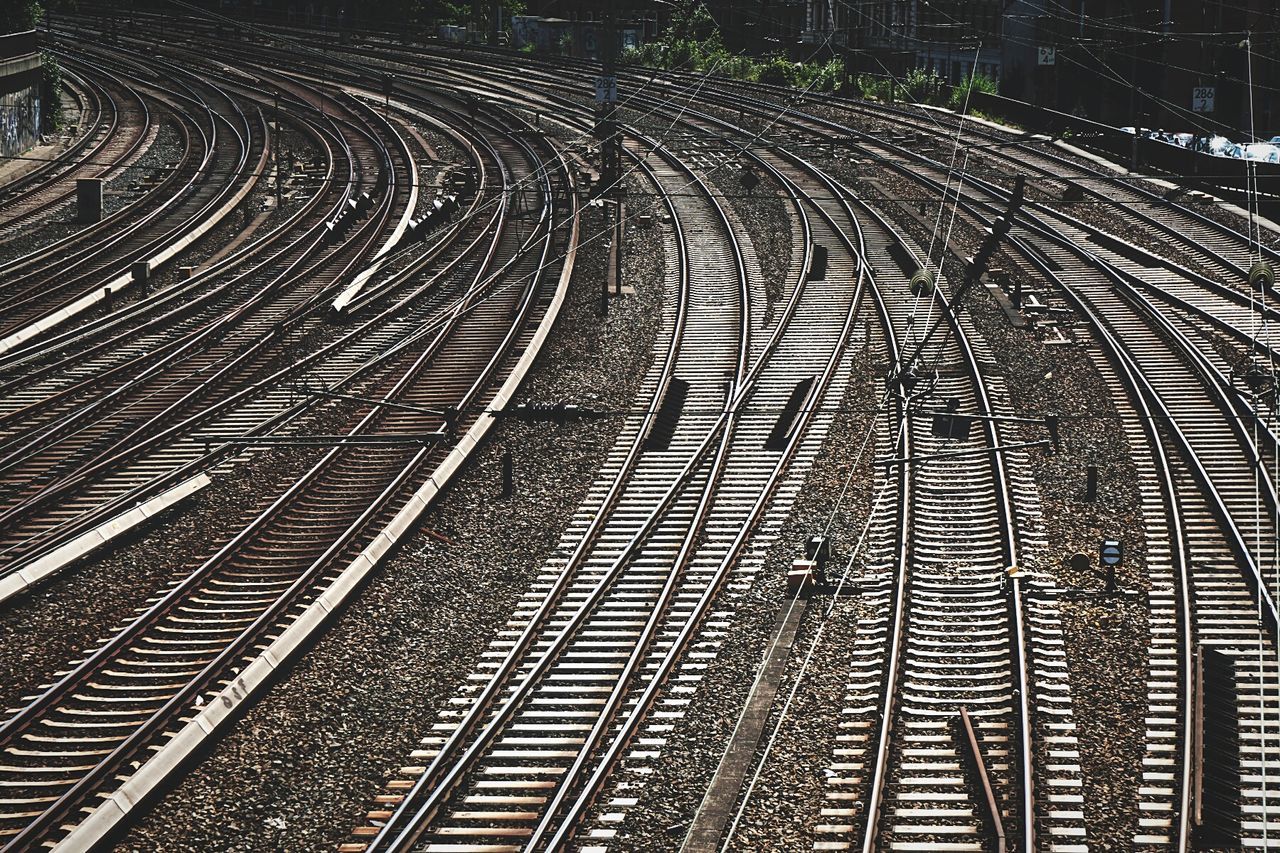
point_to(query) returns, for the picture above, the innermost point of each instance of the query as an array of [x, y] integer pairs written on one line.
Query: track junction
[[786, 547]]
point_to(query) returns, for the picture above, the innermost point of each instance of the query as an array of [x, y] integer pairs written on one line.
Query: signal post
[[610, 137]]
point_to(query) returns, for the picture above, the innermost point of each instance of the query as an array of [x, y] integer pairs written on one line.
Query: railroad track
[[1204, 576], [118, 127], [270, 404], [94, 264], [587, 656], [615, 558], [953, 634], [226, 360], [431, 811], [1130, 199], [1213, 304], [188, 651], [1066, 816], [1218, 495]]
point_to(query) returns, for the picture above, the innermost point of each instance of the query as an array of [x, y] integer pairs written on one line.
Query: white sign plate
[[1046, 56], [1202, 99], [606, 90]]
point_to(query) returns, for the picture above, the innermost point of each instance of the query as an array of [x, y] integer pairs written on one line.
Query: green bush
[[652, 55], [740, 68], [924, 87], [974, 82], [819, 76], [51, 92], [874, 87], [692, 43], [776, 70]]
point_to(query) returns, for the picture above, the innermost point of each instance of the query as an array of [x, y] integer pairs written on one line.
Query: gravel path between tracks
[[761, 212], [299, 770], [1106, 639]]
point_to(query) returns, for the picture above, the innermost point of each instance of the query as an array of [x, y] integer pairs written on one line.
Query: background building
[[1124, 62]]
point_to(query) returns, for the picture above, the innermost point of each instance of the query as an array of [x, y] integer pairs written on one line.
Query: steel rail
[[280, 375], [439, 780], [266, 621]]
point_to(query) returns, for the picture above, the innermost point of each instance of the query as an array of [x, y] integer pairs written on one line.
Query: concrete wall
[[19, 93], [19, 120]]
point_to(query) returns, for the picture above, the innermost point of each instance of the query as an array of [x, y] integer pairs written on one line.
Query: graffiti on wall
[[19, 121]]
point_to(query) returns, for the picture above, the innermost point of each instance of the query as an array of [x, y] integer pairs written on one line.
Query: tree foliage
[[19, 15], [459, 13], [975, 82], [692, 42], [51, 92]]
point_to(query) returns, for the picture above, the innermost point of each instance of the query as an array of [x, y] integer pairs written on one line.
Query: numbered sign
[[1046, 56], [606, 90], [1202, 99]]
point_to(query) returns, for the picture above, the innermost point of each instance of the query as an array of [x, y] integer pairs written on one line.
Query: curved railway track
[[216, 359], [118, 127], [124, 408], [614, 568], [935, 678], [184, 651], [497, 812], [44, 288], [1221, 303]]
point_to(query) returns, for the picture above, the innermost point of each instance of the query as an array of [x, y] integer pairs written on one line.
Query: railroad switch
[[802, 579]]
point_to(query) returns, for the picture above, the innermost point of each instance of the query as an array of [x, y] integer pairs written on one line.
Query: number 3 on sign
[[1047, 56]]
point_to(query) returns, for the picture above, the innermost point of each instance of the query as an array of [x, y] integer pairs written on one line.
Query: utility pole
[[610, 142]]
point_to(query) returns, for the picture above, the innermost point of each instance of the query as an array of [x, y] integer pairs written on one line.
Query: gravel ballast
[[1106, 640], [302, 766]]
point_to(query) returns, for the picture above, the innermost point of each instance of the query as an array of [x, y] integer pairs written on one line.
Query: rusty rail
[[968, 737]]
